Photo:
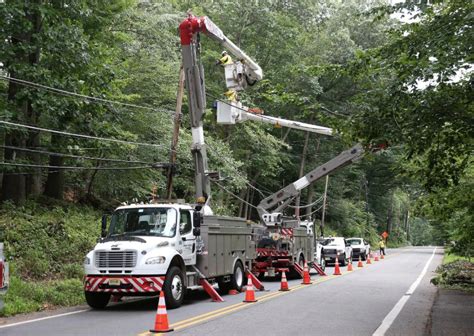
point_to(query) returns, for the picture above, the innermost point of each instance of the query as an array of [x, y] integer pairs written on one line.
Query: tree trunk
[[16, 187], [33, 182], [13, 186], [55, 182]]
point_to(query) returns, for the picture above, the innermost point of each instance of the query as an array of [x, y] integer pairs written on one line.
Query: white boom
[[230, 113]]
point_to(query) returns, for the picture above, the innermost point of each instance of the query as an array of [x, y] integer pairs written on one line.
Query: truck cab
[[337, 247], [143, 244]]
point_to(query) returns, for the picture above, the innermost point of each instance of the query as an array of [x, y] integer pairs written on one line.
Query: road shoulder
[[452, 313]]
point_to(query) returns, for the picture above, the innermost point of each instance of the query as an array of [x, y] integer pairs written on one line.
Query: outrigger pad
[[257, 283], [210, 291], [298, 269], [318, 269]]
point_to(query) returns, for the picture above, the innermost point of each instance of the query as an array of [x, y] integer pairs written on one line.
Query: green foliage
[[27, 296], [48, 242], [458, 274]]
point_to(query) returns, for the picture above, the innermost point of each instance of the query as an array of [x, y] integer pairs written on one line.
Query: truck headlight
[[87, 261], [155, 260]]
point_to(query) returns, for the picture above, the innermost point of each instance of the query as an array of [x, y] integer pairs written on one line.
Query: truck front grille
[[330, 251], [118, 259]]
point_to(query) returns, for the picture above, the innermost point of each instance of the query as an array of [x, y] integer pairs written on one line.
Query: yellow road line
[[238, 306]]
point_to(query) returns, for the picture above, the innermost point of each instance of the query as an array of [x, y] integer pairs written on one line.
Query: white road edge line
[[43, 318], [388, 320]]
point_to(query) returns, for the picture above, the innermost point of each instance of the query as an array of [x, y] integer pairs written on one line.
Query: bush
[[48, 242], [24, 297], [46, 245], [456, 274]]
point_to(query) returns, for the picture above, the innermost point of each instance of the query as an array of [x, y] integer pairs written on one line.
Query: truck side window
[[185, 222]]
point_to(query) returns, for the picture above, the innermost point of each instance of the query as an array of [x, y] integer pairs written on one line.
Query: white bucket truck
[[169, 247]]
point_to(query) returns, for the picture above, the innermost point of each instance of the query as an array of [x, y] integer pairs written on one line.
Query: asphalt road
[[389, 297]]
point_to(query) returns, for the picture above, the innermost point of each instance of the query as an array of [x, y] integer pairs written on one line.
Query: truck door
[[189, 240]]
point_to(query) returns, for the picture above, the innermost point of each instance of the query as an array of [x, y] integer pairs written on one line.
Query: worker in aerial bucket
[[225, 59]]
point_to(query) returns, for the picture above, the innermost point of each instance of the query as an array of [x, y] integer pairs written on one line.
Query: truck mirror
[[103, 232], [197, 219], [197, 232]]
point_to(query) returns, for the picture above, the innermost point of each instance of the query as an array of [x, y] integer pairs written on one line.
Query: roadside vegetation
[[350, 65], [456, 272], [46, 247]]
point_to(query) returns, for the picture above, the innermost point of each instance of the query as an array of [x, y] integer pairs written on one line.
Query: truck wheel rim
[[177, 287], [239, 276]]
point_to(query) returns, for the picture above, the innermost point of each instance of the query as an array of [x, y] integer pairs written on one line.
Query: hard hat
[[224, 53]]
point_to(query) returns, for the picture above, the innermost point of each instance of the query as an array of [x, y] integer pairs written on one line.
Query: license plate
[[327, 258], [114, 282]]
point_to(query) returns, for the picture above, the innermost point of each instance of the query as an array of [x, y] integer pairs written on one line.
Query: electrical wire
[[231, 193], [310, 214], [307, 205], [237, 173], [74, 167], [81, 96], [25, 173], [79, 135], [71, 156]]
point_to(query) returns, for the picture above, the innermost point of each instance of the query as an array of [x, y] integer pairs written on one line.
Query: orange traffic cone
[[382, 256], [337, 270], [250, 292], [233, 292], [284, 283], [349, 266], [376, 258], [306, 276], [368, 262], [161, 320], [360, 264]]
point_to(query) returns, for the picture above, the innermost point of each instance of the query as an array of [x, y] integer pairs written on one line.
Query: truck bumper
[[331, 258], [124, 284]]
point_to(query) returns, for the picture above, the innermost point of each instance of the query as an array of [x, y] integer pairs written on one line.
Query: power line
[[307, 205], [157, 165], [310, 214], [25, 173], [78, 95], [79, 135], [71, 156], [231, 193], [237, 173]]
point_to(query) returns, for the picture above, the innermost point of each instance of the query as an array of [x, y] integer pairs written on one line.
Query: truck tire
[[237, 279], [323, 264], [174, 288], [364, 256], [343, 262], [97, 300]]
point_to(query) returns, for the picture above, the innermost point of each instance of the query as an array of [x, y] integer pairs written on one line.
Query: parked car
[[337, 246], [318, 253], [360, 247]]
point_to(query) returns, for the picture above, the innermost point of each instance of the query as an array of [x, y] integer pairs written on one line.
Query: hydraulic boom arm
[[195, 85], [284, 196]]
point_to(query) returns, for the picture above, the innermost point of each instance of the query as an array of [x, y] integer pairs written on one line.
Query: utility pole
[[303, 160], [366, 202], [174, 140], [324, 205]]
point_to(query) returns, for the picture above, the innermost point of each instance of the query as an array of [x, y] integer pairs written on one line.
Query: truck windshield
[[354, 241], [159, 222]]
